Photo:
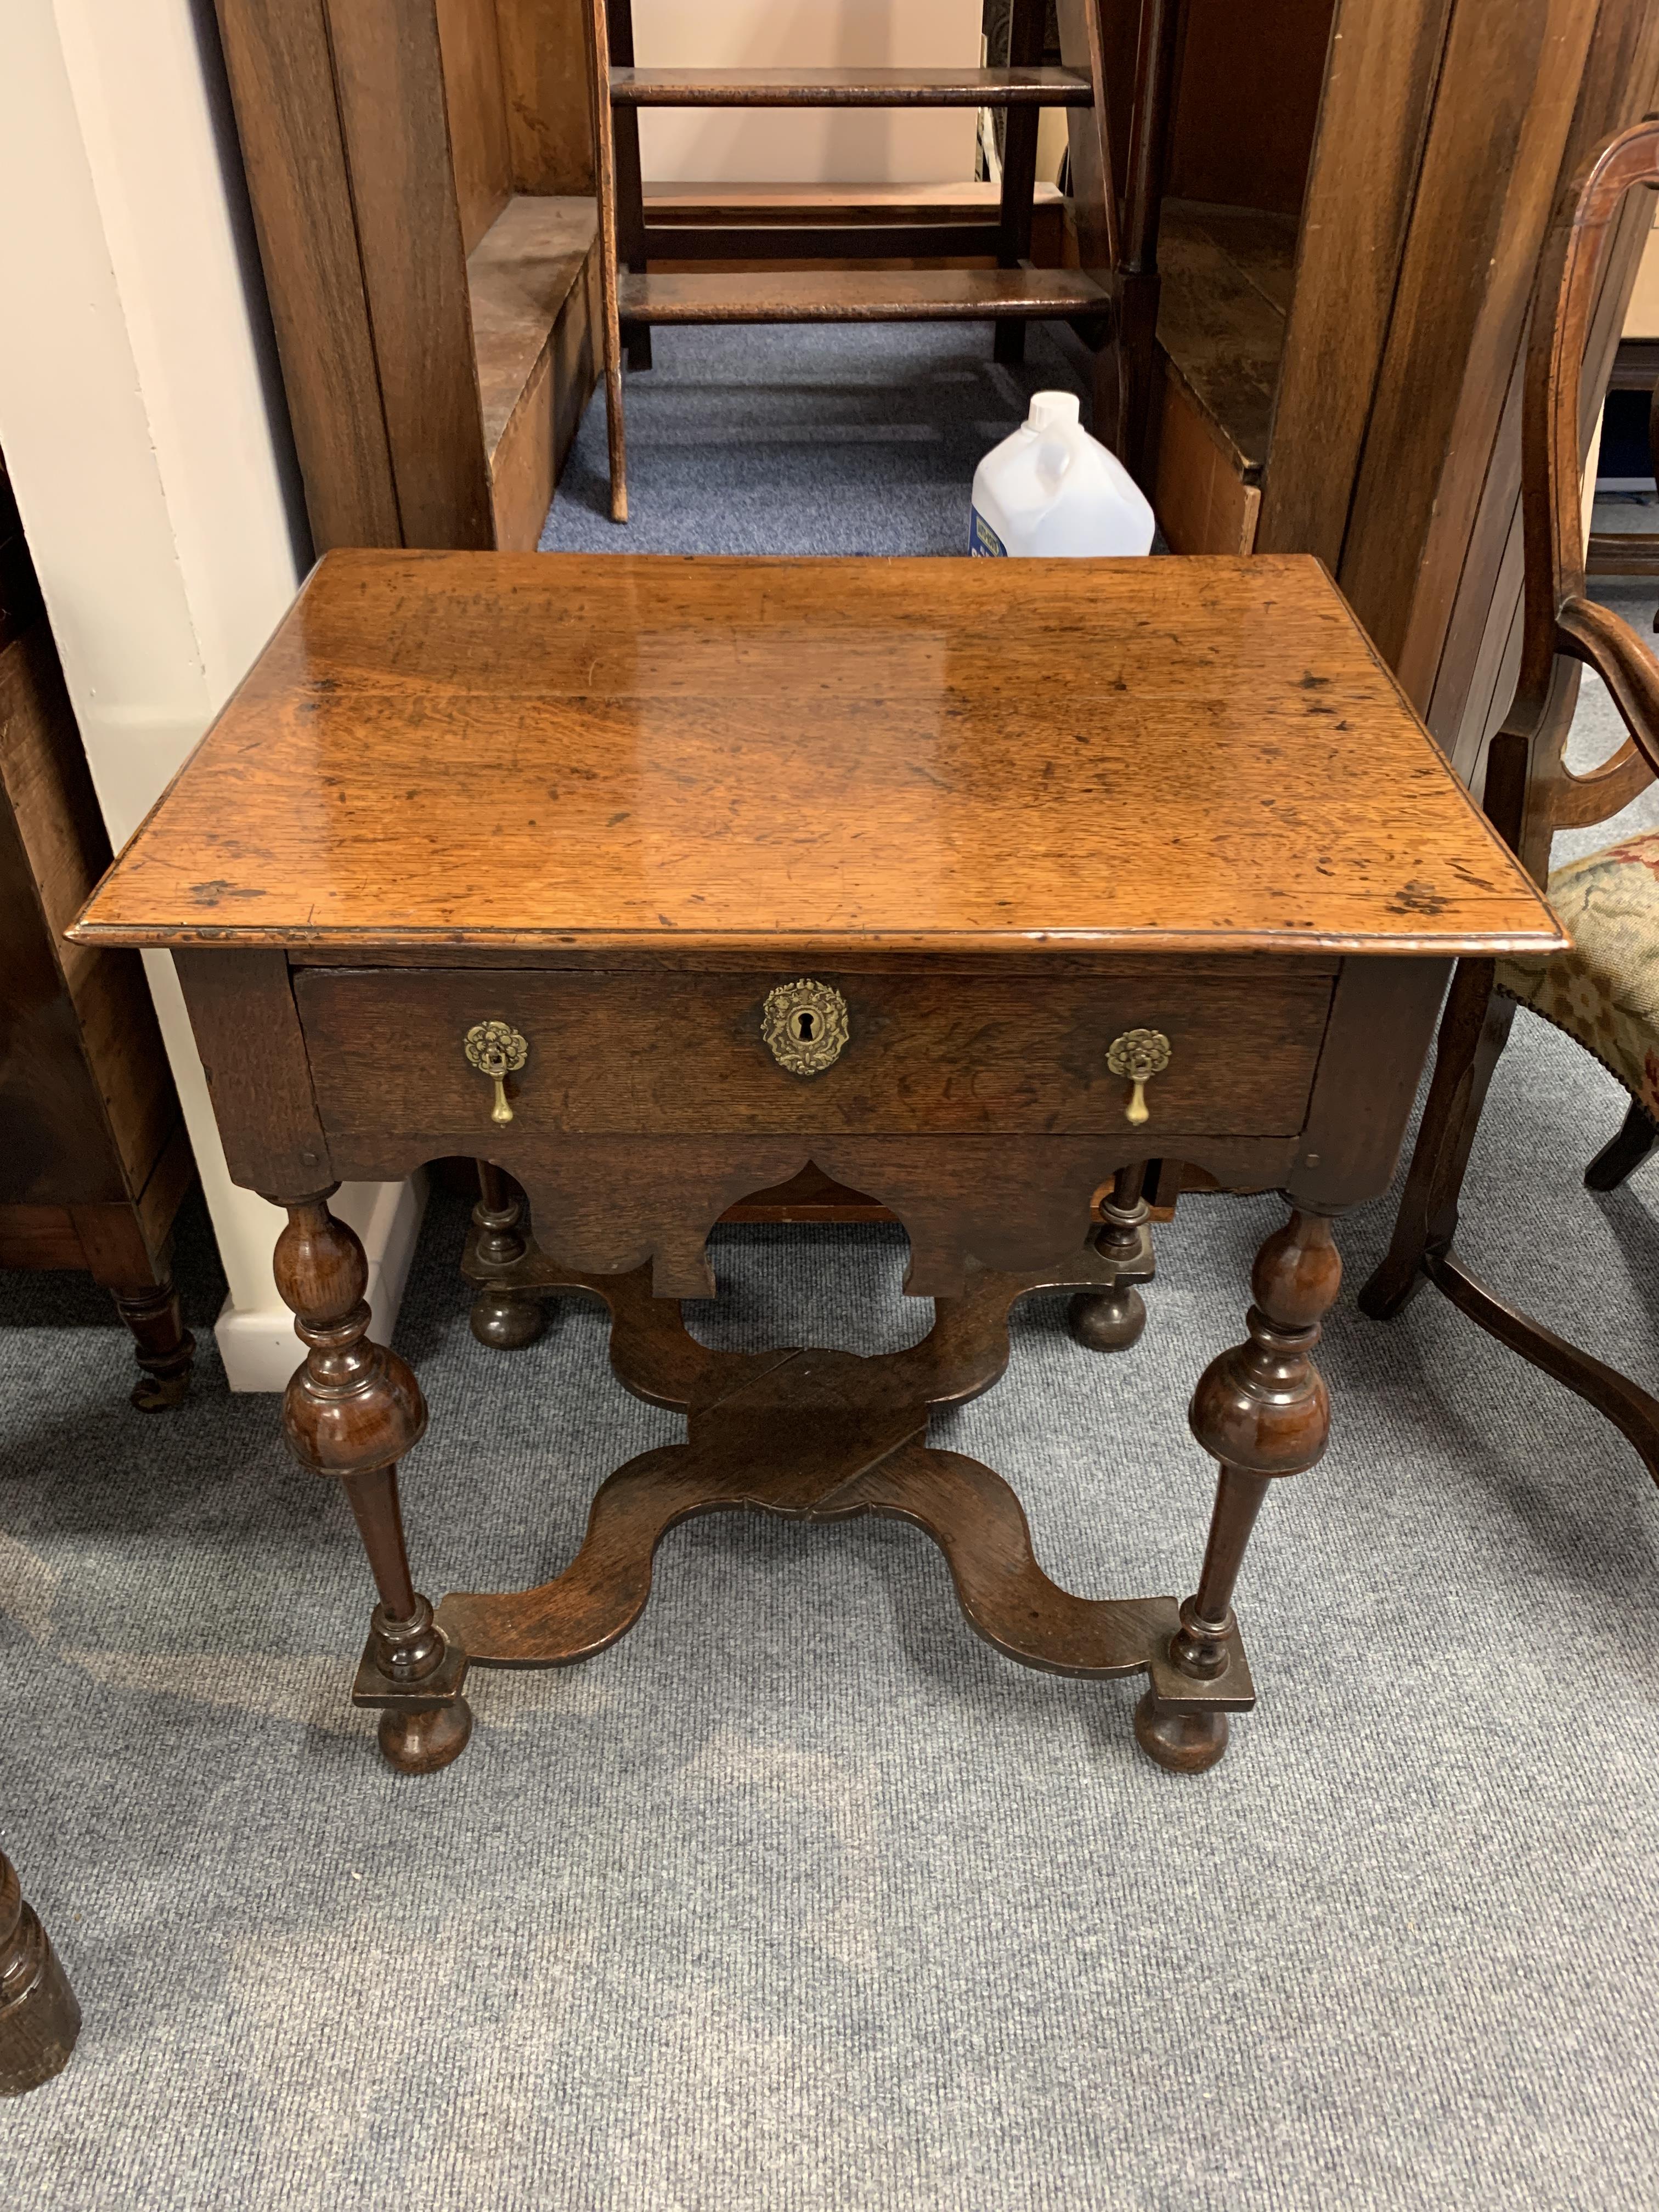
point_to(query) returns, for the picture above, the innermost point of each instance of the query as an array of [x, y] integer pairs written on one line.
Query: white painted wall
[[1642, 318], [144, 429], [800, 145]]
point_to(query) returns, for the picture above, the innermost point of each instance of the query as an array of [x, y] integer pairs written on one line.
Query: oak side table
[[653, 881]]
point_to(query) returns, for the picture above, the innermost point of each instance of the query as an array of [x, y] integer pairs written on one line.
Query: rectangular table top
[[532, 751]]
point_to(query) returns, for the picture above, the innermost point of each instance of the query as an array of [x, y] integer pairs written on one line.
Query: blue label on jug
[[982, 539]]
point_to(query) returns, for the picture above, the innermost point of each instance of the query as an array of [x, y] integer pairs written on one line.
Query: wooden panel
[[171, 1178], [528, 279], [851, 88], [1504, 100], [103, 1038], [544, 50], [478, 148], [961, 202], [1480, 656], [1086, 35], [40, 1237], [809, 1196], [241, 1010], [282, 82], [1260, 245], [848, 223], [775, 295], [1199, 492], [1379, 85], [391, 107], [538, 751], [1246, 100], [730, 246], [617, 1054], [1362, 1097], [576, 349], [523, 466], [113, 1240], [56, 1145], [46, 783], [1220, 320]]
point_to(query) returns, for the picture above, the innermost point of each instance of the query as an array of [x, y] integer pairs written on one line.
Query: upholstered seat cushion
[[1604, 991]]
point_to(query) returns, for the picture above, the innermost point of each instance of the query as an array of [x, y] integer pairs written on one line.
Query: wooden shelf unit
[[421, 185]]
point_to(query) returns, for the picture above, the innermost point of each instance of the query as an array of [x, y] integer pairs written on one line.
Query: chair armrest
[[1624, 664]]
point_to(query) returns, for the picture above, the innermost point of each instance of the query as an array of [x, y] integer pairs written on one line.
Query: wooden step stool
[[1111, 302]]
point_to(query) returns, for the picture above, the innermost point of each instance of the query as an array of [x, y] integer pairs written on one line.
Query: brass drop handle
[[496, 1050], [1137, 1057]]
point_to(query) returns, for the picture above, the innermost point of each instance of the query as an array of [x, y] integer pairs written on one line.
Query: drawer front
[[680, 1054]]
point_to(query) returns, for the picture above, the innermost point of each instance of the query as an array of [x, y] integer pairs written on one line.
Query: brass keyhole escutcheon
[[805, 1025], [496, 1050], [1137, 1055]]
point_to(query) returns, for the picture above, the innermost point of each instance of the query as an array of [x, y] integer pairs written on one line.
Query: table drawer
[[678, 1053]]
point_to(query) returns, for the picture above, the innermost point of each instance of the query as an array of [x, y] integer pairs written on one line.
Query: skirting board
[[258, 1344]]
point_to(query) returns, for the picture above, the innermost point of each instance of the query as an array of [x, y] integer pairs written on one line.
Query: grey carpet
[[785, 439], [801, 1897]]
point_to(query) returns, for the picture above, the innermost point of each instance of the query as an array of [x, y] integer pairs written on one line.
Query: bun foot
[[420, 1743], [505, 1323], [160, 1393], [1106, 1321], [39, 2018], [1186, 1743]]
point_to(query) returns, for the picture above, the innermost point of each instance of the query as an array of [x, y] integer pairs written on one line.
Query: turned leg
[[164, 1346], [1111, 1320], [351, 1411], [1474, 1031], [1260, 1410], [39, 2018], [501, 1316]]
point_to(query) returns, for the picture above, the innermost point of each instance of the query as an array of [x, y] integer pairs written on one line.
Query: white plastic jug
[[1051, 488]]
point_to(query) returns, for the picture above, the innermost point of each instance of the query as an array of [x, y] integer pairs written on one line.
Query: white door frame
[[142, 419]]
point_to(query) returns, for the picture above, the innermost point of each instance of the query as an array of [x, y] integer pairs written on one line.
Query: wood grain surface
[[1226, 272], [393, 111], [850, 87], [293, 149], [892, 295], [537, 751], [518, 277], [545, 87], [1508, 80], [479, 152], [685, 1052], [1380, 83]]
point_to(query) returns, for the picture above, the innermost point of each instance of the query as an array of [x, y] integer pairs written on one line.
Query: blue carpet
[[801, 1897], [790, 439]]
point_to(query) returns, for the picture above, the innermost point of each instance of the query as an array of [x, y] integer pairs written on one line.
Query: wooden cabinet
[[419, 172], [94, 1157], [1358, 194]]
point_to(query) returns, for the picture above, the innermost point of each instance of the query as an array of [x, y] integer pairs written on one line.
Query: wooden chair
[[1604, 993], [1111, 302]]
